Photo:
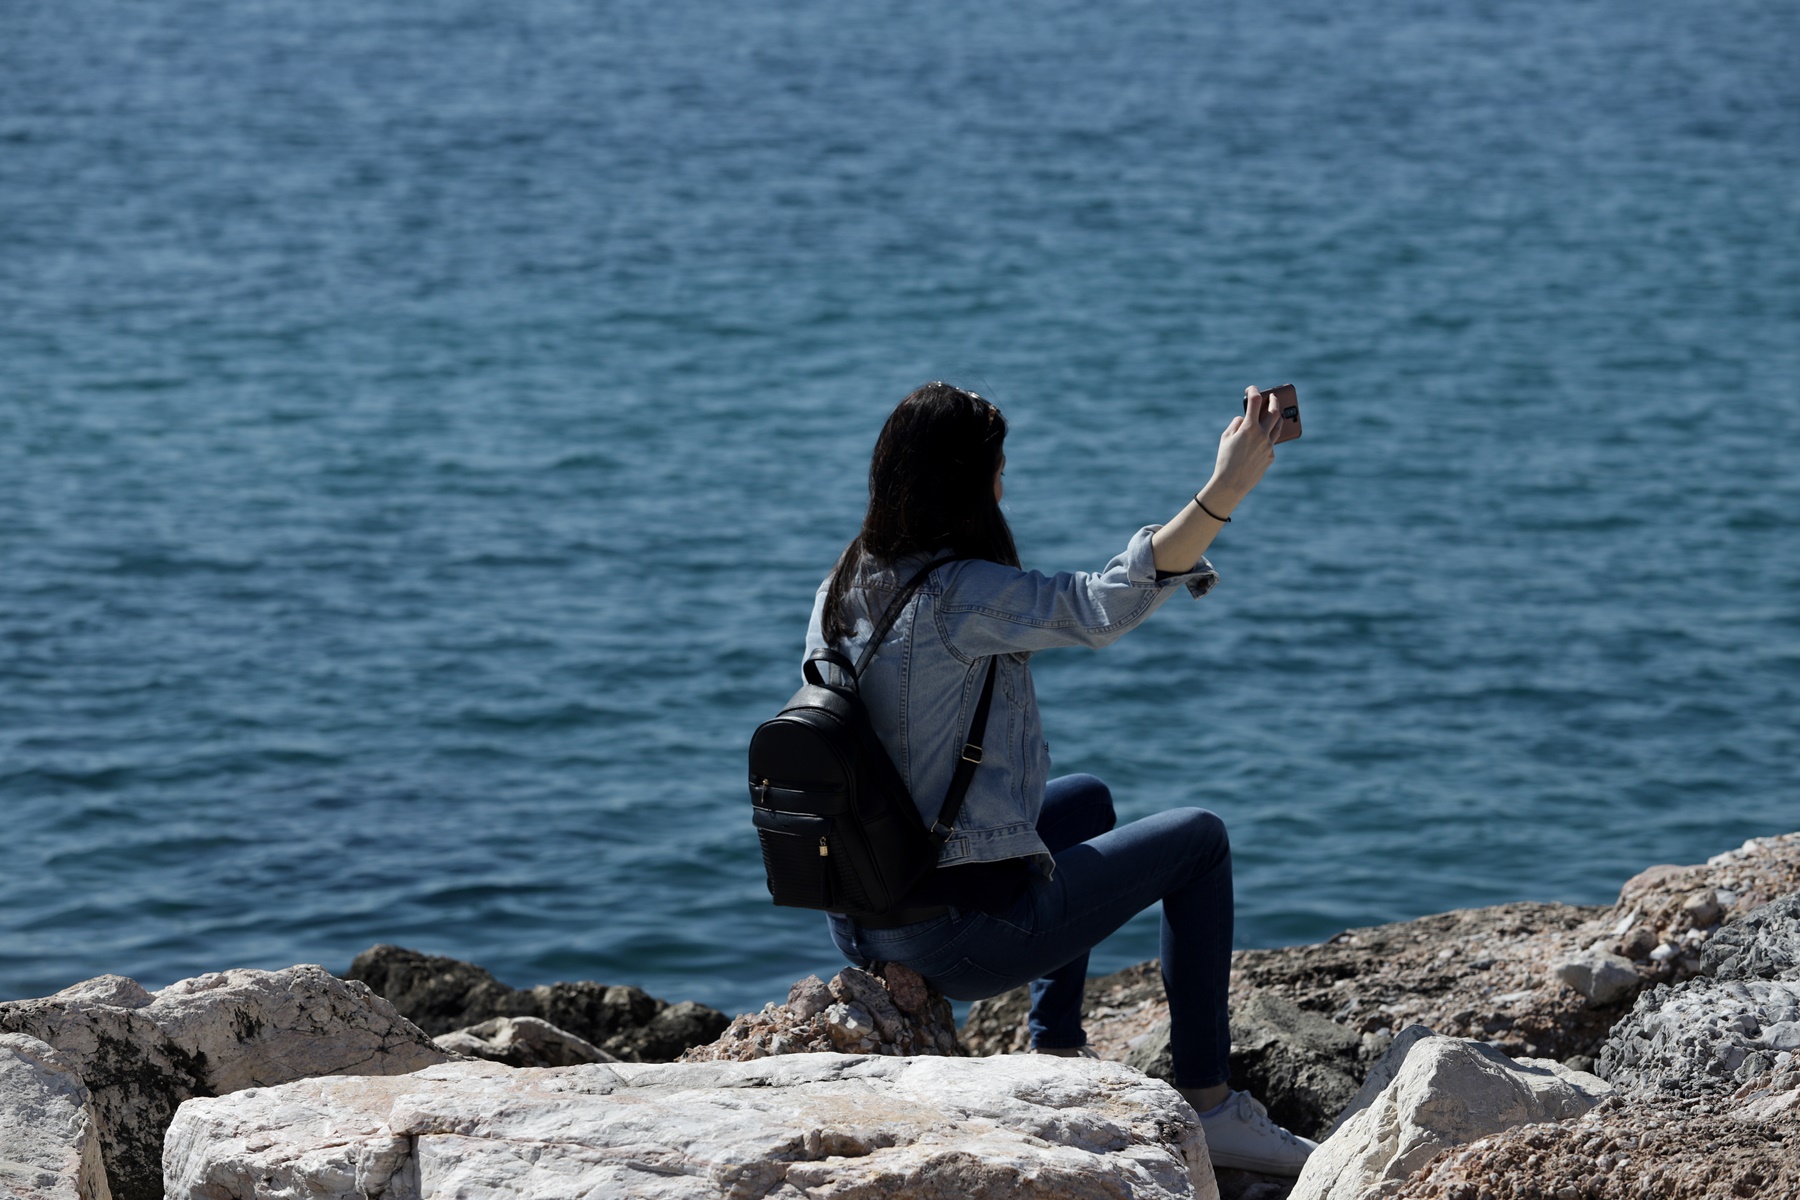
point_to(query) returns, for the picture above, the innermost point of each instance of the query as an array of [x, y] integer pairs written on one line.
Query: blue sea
[[423, 426]]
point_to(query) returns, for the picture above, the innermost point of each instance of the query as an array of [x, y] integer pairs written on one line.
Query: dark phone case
[[1287, 398]]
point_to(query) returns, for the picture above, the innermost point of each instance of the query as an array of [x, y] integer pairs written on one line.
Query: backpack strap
[[831, 656], [970, 756], [966, 762], [894, 610]]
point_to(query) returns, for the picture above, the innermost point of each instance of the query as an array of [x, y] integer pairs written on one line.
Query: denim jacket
[[922, 686]]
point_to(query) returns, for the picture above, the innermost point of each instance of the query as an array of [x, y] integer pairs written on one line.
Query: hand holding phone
[[1287, 409]]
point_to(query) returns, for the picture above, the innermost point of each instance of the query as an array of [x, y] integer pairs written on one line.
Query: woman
[[1035, 874]]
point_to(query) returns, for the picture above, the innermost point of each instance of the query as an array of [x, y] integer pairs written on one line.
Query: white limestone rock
[[257, 1028], [107, 991], [314, 1138], [49, 1147], [141, 1054], [814, 1124], [1445, 1092]]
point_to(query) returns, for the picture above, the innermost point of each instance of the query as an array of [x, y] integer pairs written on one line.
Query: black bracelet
[[1209, 512]]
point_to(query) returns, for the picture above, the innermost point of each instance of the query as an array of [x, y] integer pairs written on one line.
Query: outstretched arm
[[1246, 449]]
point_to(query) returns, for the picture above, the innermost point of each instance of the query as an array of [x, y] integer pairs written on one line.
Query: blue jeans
[[1104, 877]]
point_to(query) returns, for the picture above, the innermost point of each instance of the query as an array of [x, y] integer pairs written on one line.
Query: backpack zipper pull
[[824, 849]]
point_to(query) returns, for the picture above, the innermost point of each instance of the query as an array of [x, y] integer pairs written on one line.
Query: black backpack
[[838, 829]]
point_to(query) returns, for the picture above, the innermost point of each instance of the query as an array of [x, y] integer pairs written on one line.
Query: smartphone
[[1287, 403]]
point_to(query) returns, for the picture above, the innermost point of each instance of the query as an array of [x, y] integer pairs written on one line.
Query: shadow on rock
[[445, 995]]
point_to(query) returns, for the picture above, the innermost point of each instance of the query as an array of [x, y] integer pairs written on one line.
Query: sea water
[[422, 428]]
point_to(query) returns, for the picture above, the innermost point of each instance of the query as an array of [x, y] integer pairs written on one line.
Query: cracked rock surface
[[815, 1124], [49, 1146], [1705, 1036], [140, 1054], [1764, 945], [1719, 1033]]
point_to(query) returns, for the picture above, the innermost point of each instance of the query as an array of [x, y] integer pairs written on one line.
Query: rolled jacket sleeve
[[1140, 559]]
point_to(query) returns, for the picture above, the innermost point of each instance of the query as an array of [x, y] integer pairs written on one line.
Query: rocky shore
[[1650, 1048]]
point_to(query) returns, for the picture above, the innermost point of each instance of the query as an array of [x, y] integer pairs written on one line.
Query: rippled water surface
[[422, 428]]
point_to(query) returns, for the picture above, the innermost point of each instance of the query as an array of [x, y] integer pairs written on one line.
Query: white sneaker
[[1241, 1135]]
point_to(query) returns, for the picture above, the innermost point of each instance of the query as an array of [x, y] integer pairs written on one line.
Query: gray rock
[[1304, 1067], [673, 1030], [439, 994], [1601, 977], [442, 995], [1638, 942], [600, 1012], [1704, 1036], [49, 1142], [1703, 908], [1764, 944], [809, 997], [522, 1042], [929, 1128], [1151, 1055], [142, 1054]]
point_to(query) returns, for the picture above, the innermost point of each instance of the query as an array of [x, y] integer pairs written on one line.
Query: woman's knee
[[1077, 808], [1204, 828], [1095, 797]]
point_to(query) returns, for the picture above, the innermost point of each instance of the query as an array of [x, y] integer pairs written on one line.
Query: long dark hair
[[931, 487]]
